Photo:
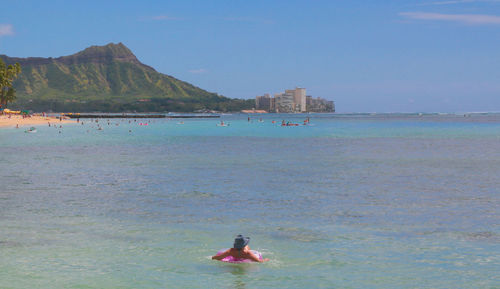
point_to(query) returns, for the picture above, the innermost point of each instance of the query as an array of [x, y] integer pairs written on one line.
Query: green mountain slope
[[108, 78]]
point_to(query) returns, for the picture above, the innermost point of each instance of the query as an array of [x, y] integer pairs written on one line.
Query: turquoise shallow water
[[351, 201]]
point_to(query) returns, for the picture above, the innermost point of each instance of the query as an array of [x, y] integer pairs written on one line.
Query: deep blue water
[[350, 201]]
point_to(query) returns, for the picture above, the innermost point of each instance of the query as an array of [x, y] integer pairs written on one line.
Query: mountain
[[108, 78]]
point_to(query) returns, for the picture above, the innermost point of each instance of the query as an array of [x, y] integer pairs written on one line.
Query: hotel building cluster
[[293, 100]]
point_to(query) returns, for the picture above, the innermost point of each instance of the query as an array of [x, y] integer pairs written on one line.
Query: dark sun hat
[[240, 241]]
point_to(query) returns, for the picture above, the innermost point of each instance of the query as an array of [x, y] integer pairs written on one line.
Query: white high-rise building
[[293, 100], [284, 102], [299, 98]]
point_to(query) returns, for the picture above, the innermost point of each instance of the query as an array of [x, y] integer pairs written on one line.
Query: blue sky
[[367, 56]]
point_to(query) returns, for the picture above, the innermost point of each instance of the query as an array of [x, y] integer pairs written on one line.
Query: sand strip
[[14, 120]]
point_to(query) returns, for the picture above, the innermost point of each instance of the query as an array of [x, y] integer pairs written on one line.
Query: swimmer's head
[[240, 242]]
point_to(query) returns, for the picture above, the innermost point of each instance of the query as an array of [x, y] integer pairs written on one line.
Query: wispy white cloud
[[475, 19], [198, 71], [6, 29]]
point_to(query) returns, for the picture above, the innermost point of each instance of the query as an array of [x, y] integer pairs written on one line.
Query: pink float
[[231, 259]]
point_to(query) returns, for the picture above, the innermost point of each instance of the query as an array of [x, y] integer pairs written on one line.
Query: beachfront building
[[284, 102], [319, 104], [299, 98], [272, 105], [293, 100], [263, 102]]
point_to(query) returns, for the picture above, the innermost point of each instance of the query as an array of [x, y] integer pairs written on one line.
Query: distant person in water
[[240, 250]]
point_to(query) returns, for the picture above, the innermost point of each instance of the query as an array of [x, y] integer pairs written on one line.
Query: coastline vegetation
[[8, 73], [117, 104]]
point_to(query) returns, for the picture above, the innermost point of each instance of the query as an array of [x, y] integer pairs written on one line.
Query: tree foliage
[[120, 105], [8, 73]]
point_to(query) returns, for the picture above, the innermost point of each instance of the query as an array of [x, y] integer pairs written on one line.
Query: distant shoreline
[[129, 115], [12, 121]]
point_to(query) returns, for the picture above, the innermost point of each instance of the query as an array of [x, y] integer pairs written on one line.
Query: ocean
[[348, 201]]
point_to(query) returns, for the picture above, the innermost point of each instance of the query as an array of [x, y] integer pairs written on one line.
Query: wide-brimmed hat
[[240, 241]]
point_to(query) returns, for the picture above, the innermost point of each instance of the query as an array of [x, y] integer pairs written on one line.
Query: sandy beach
[[14, 120]]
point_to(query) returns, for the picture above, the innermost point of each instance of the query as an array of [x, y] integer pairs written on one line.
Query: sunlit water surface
[[350, 201]]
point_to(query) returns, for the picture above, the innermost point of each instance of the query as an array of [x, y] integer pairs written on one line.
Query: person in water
[[240, 250]]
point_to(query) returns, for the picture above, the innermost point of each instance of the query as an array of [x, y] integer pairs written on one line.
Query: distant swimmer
[[240, 253]]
